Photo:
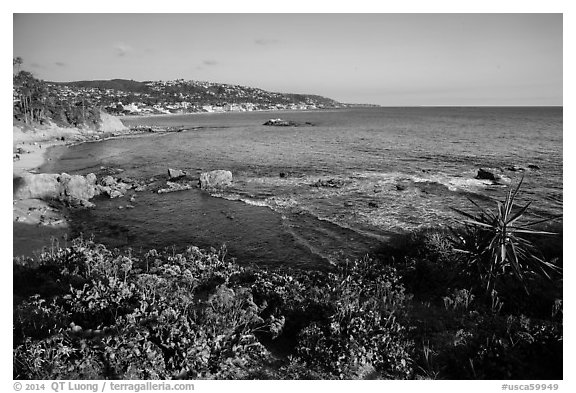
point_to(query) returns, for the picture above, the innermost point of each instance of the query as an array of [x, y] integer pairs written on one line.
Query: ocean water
[[397, 169]]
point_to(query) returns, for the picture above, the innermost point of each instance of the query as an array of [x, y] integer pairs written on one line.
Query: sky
[[385, 59]]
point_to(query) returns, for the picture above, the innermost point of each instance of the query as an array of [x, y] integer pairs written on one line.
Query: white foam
[[454, 183], [254, 202]]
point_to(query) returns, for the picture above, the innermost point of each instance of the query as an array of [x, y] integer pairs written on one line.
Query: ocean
[[309, 196]]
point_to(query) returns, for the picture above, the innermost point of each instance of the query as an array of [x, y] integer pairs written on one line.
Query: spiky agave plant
[[496, 245]]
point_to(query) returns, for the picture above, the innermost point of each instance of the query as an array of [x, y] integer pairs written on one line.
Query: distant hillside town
[[81, 103], [126, 97]]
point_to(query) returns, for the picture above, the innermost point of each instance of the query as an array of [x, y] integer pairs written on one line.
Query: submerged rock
[[403, 185], [516, 168], [331, 183], [175, 187], [215, 179], [533, 166]]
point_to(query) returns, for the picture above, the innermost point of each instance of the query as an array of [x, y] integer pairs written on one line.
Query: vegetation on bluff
[[79, 103], [418, 309], [35, 102]]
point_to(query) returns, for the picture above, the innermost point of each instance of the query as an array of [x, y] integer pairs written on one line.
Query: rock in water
[[115, 194], [215, 179], [77, 187], [174, 174], [108, 181], [113, 188], [490, 174], [486, 174], [280, 123]]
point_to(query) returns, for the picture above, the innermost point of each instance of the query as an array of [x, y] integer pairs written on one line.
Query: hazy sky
[[387, 59]]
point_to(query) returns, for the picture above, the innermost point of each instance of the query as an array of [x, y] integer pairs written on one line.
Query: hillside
[[121, 96], [114, 84]]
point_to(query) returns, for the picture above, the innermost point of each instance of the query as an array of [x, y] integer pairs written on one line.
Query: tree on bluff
[[16, 64], [36, 101], [29, 96]]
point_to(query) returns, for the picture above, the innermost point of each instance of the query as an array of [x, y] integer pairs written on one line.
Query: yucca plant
[[495, 242]]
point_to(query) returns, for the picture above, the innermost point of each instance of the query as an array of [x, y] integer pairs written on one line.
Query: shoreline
[[37, 223], [159, 115], [32, 149]]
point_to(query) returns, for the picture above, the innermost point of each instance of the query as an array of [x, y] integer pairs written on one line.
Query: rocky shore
[[39, 211], [42, 201]]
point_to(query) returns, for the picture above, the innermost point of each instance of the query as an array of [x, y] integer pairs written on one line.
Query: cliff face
[[109, 123]]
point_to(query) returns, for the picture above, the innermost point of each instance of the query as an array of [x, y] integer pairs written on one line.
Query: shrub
[[505, 347], [496, 245], [362, 337], [116, 321]]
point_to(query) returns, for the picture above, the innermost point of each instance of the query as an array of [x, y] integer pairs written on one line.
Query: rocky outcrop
[[112, 187], [486, 174], [285, 123], [280, 123], [75, 190], [493, 174], [36, 186], [215, 179], [175, 174], [109, 123]]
